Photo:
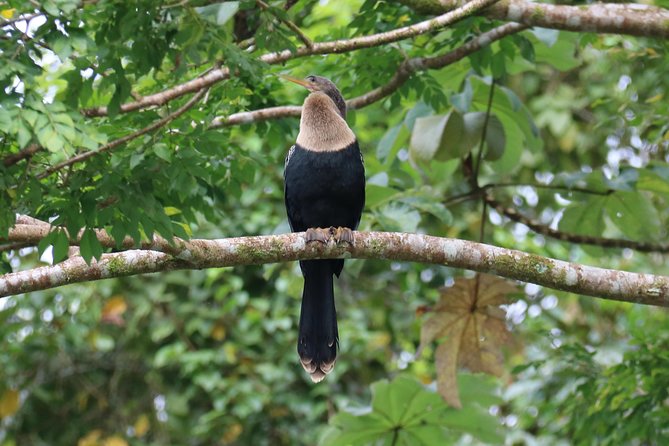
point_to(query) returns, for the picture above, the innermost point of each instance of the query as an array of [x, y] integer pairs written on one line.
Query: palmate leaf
[[404, 412], [473, 327], [401, 410]]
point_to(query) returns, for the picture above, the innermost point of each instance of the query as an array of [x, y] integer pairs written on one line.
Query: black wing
[[289, 211]]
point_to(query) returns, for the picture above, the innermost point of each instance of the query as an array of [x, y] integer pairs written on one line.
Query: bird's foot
[[343, 235], [318, 235]]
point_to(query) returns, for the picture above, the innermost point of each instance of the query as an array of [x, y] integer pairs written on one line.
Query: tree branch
[[405, 70], [631, 19], [30, 234], [540, 228], [197, 254], [24, 153], [263, 114], [337, 46]]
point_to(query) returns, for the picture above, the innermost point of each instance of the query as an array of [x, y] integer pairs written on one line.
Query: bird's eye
[[311, 78]]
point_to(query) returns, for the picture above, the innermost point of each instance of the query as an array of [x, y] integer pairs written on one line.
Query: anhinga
[[325, 194]]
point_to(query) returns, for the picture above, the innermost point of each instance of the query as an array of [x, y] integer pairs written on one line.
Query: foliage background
[[208, 357]]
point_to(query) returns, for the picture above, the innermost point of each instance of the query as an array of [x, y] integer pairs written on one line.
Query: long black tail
[[318, 337]]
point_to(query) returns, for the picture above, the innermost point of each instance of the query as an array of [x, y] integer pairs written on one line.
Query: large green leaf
[[519, 129], [387, 142], [627, 210], [397, 407], [89, 246], [561, 54], [377, 195], [654, 179], [495, 137], [438, 137], [218, 13], [584, 217], [405, 412]]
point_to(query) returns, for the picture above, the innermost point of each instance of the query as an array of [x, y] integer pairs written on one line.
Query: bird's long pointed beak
[[305, 83]]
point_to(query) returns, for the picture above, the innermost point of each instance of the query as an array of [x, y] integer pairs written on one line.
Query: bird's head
[[321, 84]]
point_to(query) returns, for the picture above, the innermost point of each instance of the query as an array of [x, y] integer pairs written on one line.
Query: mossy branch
[[618, 18], [198, 254]]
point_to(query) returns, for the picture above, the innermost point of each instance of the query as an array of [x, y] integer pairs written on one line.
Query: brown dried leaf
[[112, 312], [9, 403], [474, 329]]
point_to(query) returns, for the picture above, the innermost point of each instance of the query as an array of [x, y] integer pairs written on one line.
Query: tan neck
[[322, 129]]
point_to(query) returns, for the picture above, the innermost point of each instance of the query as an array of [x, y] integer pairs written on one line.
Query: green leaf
[[376, 195], [387, 141], [89, 246], [68, 132], [628, 209], [60, 246], [6, 118], [401, 400], [419, 110], [463, 101], [163, 151], [46, 242], [61, 46], [401, 407], [498, 65], [547, 36], [654, 180], [585, 217], [346, 430], [495, 138], [495, 135], [218, 13], [438, 137], [398, 218], [516, 103], [5, 266], [121, 91], [48, 137], [520, 131], [169, 354], [562, 54], [64, 118], [24, 135], [430, 205]]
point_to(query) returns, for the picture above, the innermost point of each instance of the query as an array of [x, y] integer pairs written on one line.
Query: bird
[[324, 192]]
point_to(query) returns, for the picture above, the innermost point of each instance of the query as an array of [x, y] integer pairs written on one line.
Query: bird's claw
[[344, 235], [325, 235], [318, 235]]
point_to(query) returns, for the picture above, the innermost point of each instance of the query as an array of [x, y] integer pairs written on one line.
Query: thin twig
[[580, 190], [476, 193], [292, 26], [514, 215]]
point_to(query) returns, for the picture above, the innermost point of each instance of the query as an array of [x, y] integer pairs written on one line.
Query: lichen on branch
[[256, 250], [619, 18]]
